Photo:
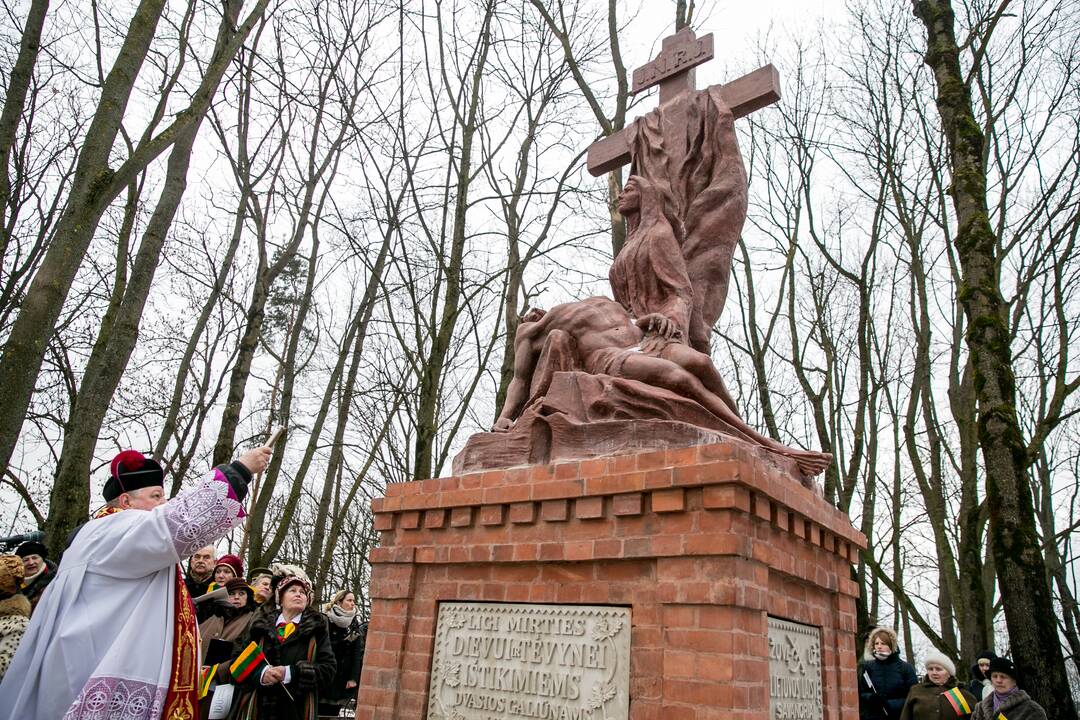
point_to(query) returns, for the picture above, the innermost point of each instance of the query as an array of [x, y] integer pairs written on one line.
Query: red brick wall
[[702, 543]]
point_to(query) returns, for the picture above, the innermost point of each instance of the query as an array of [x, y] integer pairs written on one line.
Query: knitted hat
[[11, 575], [232, 562], [131, 470], [935, 658], [31, 547], [1005, 666]]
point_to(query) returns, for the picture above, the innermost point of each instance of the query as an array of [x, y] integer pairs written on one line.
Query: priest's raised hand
[[115, 633]]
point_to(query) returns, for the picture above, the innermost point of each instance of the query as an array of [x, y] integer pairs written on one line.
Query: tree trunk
[[104, 369], [1013, 536], [22, 72], [430, 390], [87, 201]]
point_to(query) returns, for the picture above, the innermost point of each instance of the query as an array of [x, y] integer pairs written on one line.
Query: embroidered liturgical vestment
[[114, 634]]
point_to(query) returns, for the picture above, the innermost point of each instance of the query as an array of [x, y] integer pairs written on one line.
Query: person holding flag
[[115, 635], [938, 696], [286, 658]]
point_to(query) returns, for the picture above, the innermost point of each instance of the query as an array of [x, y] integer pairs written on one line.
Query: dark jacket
[[197, 588], [348, 644], [33, 589], [883, 697], [1019, 706], [927, 701], [980, 684], [308, 676]]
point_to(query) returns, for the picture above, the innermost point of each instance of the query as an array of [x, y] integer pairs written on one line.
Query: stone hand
[[659, 324], [502, 425], [256, 459]]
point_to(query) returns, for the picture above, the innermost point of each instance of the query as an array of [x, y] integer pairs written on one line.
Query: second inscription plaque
[[510, 660]]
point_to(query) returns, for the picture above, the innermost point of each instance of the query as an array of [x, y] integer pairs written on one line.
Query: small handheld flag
[[250, 661], [205, 678], [958, 701]]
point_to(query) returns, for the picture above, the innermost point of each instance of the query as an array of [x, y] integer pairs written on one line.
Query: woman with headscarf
[[648, 277], [299, 662], [937, 696], [884, 679], [1007, 699], [347, 636]]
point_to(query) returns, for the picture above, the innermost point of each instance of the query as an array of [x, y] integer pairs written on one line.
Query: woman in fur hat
[[884, 679], [937, 697], [1007, 699], [299, 660], [14, 609]]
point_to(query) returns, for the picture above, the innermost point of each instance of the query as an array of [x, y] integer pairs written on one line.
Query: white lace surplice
[[99, 645]]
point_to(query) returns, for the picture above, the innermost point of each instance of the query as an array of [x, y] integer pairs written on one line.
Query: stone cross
[[673, 70]]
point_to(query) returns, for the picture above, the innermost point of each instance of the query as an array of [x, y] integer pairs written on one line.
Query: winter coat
[[348, 644], [883, 697], [306, 652], [927, 701], [1019, 706], [33, 589], [14, 617], [227, 623]]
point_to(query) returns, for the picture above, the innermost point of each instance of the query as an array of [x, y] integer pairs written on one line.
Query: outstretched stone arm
[[524, 365]]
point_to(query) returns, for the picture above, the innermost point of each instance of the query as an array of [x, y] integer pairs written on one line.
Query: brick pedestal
[[703, 543]]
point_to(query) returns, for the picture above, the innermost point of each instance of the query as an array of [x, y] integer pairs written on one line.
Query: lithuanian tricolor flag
[[249, 661], [205, 679], [958, 701]]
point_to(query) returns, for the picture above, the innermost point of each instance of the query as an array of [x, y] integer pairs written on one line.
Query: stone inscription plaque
[[510, 660], [794, 671]]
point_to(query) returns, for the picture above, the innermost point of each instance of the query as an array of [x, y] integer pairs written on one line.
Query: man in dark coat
[[200, 571], [38, 570]]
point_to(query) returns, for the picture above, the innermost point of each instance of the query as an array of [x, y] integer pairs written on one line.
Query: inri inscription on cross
[[673, 70]]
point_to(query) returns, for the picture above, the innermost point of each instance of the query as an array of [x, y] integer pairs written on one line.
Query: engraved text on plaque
[[558, 662], [794, 671]]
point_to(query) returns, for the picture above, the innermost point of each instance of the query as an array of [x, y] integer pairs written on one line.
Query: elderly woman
[[347, 636], [938, 696], [884, 679], [228, 567], [299, 658], [1007, 699]]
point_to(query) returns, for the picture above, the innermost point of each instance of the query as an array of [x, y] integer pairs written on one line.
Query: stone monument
[[622, 545], [602, 376]]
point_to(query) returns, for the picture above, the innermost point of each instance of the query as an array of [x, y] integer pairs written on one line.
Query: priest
[[115, 635]]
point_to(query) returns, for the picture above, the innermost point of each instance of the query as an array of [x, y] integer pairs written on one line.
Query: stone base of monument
[[703, 582]]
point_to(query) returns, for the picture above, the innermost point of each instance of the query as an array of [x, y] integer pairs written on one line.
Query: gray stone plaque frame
[[794, 671], [513, 660]]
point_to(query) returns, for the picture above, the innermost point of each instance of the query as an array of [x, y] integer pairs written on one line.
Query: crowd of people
[[121, 628], [889, 688]]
